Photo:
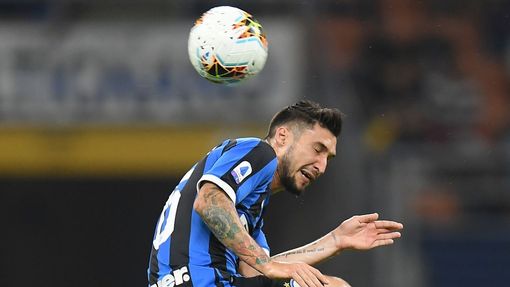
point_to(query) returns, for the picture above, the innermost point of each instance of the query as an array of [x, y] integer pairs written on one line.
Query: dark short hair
[[308, 113]]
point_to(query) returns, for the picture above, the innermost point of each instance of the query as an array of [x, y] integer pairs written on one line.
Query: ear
[[282, 136]]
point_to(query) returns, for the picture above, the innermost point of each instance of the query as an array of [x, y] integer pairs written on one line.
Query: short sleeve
[[244, 166]]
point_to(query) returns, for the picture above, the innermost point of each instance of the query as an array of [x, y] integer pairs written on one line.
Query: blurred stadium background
[[101, 113]]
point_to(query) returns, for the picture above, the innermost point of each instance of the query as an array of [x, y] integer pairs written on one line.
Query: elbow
[[198, 205]]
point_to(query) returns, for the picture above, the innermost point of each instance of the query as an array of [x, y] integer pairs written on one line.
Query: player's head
[[304, 138]]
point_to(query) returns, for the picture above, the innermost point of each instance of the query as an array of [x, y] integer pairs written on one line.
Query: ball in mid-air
[[227, 45]]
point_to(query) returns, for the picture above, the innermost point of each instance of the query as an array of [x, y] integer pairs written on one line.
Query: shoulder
[[251, 154], [253, 147]]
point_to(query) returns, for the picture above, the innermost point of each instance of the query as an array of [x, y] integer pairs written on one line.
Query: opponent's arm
[[312, 253], [220, 215], [359, 232]]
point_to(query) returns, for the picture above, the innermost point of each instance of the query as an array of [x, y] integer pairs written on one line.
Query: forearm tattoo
[[225, 225], [309, 251]]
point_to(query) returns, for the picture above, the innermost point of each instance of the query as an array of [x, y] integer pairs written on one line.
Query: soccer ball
[[227, 45]]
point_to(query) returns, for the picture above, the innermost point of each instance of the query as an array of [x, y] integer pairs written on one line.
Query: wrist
[[337, 241], [267, 268]]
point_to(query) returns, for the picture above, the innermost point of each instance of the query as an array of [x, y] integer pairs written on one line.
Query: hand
[[304, 274], [364, 232]]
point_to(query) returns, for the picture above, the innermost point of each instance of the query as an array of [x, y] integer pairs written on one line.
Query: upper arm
[[210, 194]]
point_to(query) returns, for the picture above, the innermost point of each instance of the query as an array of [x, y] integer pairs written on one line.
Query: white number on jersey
[[164, 232]]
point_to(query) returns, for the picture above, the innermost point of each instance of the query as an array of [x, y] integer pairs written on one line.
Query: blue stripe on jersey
[[200, 236]]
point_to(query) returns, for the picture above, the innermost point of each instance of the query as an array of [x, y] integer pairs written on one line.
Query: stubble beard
[[288, 182]]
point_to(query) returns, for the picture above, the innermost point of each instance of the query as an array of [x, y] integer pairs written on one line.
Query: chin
[[298, 189], [293, 185], [294, 188], [302, 186]]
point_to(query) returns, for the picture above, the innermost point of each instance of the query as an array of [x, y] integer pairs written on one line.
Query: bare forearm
[[246, 270], [219, 213], [361, 232], [312, 253]]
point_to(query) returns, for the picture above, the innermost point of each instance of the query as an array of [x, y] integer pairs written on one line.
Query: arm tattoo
[[301, 251], [221, 223], [219, 220], [225, 225]]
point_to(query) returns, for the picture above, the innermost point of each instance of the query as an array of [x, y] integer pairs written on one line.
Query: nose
[[321, 164]]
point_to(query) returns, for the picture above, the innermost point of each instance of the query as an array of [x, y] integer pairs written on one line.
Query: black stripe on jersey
[[154, 267], [256, 208], [266, 194], [217, 281], [258, 158], [217, 252], [179, 244], [231, 144]]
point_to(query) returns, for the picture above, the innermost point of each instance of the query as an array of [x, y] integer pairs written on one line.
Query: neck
[[276, 185]]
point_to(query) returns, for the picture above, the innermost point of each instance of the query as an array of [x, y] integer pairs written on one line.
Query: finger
[[299, 280], [366, 218], [385, 231], [388, 224], [309, 278], [391, 235], [319, 275], [383, 242]]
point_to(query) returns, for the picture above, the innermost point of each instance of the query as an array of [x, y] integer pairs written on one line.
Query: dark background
[[85, 232]]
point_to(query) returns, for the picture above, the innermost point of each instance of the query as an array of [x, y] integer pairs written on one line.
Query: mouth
[[308, 175]]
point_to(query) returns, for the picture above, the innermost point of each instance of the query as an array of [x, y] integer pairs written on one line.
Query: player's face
[[306, 158]]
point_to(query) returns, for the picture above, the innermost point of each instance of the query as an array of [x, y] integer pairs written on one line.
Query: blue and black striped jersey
[[184, 251]]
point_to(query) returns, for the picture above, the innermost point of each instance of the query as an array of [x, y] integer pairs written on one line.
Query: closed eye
[[321, 148]]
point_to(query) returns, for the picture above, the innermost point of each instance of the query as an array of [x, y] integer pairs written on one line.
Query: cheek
[[304, 159], [298, 158], [297, 166]]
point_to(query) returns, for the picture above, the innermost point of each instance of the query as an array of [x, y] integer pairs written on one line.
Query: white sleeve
[[219, 182]]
